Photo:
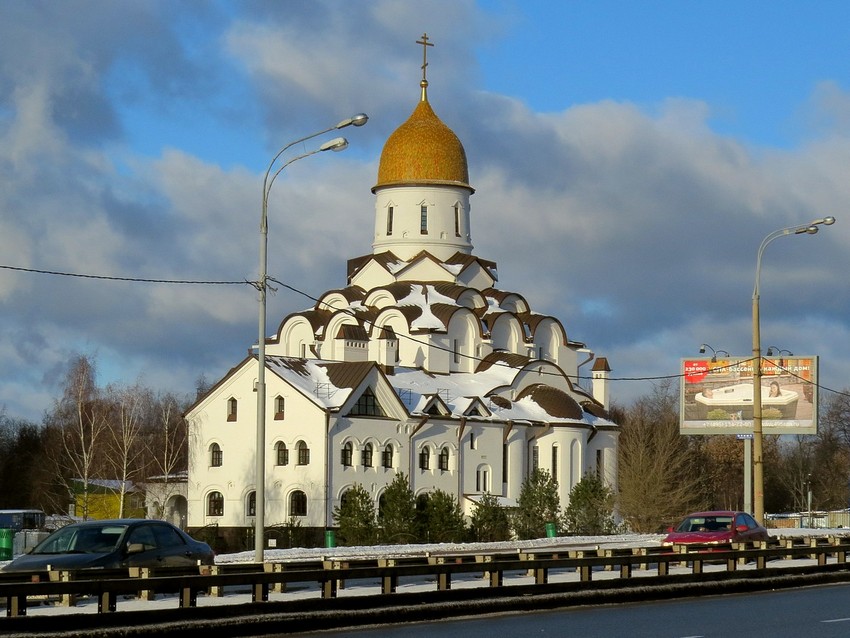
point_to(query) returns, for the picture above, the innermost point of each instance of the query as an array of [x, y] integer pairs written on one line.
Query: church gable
[[474, 272], [425, 269], [476, 408], [371, 275], [435, 406], [374, 397]]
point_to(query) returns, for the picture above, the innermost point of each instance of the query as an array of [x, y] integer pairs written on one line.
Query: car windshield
[[82, 539], [706, 524]]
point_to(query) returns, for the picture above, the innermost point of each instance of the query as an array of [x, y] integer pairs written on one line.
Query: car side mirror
[[741, 528], [135, 548]]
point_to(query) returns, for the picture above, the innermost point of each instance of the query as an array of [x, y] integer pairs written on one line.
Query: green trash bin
[[330, 538], [551, 530], [6, 538]]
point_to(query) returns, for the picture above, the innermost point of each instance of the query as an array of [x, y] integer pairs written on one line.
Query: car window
[[58, 542], [144, 535], [96, 539], [167, 536], [746, 519]]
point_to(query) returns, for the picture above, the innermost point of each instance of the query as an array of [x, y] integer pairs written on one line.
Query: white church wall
[[463, 335], [406, 239]]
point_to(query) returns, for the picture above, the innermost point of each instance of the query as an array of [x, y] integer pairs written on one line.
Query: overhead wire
[[349, 311]]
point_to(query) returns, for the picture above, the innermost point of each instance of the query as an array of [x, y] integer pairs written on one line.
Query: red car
[[716, 528]]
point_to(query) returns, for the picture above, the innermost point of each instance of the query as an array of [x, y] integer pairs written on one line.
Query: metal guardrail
[[16, 589]]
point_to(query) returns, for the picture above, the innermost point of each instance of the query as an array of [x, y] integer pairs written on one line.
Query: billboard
[[717, 395]]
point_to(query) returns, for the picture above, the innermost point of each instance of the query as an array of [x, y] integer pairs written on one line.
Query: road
[[820, 611]]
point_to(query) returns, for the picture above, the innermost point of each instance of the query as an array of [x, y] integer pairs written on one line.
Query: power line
[[133, 279], [348, 311]]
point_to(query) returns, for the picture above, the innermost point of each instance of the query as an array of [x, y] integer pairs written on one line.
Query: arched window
[[425, 458], [387, 457], [444, 459], [343, 500], [347, 453], [251, 505], [282, 453], [367, 455], [232, 405], [298, 503], [215, 504], [482, 479], [422, 503], [216, 455], [303, 453]]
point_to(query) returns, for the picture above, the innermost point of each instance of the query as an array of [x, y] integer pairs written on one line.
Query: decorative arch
[[507, 334], [295, 333], [464, 332]]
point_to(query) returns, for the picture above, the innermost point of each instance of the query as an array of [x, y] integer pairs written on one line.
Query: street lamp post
[[337, 144], [758, 460]]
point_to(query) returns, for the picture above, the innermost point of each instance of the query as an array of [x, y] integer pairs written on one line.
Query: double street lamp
[[714, 353], [758, 460], [336, 144]]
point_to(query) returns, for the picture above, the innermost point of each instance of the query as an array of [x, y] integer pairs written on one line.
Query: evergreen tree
[[590, 511], [538, 504], [397, 514], [490, 522], [441, 518], [355, 517]]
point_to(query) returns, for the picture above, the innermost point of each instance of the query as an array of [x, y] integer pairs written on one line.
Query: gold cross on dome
[[425, 44]]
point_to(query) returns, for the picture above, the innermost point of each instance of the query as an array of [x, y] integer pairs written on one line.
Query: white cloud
[[635, 225]]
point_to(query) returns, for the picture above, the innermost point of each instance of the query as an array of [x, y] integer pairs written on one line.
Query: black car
[[126, 542]]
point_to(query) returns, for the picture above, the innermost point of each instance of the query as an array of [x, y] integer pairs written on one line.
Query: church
[[419, 364]]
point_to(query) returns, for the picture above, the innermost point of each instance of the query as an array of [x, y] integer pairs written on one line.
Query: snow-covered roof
[[330, 383]]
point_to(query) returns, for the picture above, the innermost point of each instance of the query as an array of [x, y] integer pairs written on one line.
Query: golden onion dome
[[423, 150]]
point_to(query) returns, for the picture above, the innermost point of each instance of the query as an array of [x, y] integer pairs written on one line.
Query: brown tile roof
[[554, 401], [513, 360]]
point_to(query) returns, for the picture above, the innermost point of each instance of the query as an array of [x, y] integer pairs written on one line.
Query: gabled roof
[[385, 260], [463, 392], [465, 260]]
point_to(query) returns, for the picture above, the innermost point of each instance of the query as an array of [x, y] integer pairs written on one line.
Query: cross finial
[[425, 44]]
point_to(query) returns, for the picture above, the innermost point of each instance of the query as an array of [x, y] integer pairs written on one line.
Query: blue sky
[[628, 158]]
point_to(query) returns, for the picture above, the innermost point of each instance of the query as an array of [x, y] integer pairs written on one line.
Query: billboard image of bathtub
[[717, 395]]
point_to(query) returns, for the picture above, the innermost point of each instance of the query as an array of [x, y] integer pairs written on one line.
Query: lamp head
[[356, 120], [336, 144], [826, 221], [702, 349]]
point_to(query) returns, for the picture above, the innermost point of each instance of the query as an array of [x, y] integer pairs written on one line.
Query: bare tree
[[79, 422], [723, 460], [167, 443], [660, 478], [124, 444]]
